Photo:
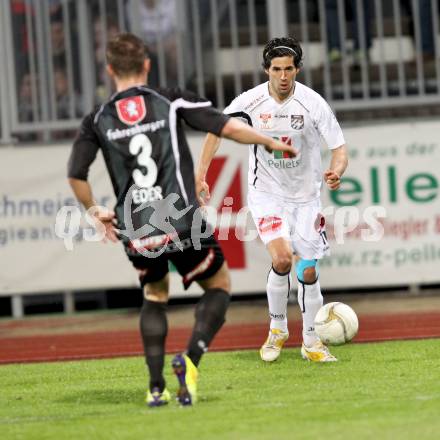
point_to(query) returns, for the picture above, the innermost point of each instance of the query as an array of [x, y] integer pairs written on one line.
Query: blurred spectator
[[25, 107], [59, 47], [20, 36], [58, 43], [333, 28], [67, 106], [156, 23], [99, 48], [423, 14], [55, 7], [426, 30], [26, 110]]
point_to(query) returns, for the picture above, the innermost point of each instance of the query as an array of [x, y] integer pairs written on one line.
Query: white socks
[[310, 300], [278, 287]]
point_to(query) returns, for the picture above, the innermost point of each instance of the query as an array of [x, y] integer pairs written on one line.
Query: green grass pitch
[[376, 391]]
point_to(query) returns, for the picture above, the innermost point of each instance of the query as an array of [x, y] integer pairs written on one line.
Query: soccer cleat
[[186, 373], [318, 352], [271, 349], [157, 398]]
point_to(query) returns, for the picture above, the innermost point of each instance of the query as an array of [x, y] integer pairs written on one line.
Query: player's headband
[[281, 47]]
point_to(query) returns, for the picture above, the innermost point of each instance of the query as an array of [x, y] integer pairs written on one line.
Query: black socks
[[154, 329], [210, 315]]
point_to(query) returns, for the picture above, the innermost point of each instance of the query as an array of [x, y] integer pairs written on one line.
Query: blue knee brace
[[301, 265]]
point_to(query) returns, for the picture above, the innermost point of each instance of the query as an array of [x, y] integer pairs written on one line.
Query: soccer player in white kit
[[284, 191]]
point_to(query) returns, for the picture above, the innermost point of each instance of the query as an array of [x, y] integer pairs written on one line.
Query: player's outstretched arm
[[210, 147], [338, 165], [244, 134], [102, 217]]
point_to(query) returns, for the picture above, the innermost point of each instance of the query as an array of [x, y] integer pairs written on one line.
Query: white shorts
[[302, 224]]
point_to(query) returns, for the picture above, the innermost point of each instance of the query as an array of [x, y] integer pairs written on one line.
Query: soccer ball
[[336, 323]]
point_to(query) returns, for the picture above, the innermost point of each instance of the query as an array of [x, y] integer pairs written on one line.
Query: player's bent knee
[[310, 275], [282, 263], [282, 266], [307, 271]]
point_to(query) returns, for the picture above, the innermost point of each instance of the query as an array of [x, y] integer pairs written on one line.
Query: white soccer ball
[[336, 323]]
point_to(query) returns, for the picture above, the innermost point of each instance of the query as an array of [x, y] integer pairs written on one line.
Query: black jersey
[[141, 136]]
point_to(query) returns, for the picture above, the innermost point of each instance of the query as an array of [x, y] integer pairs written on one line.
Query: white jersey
[[304, 120]]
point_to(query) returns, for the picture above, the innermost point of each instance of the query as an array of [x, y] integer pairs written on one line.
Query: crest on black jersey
[[131, 110]]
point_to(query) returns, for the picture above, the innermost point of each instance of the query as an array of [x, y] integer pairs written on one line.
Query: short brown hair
[[126, 53]]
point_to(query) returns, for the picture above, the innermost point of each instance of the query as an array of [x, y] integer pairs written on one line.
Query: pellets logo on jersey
[[266, 121], [297, 122], [131, 110], [282, 154]]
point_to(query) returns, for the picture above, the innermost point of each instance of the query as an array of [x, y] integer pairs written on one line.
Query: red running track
[[232, 337]]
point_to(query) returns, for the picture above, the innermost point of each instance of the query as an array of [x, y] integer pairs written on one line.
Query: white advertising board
[[33, 259], [394, 166]]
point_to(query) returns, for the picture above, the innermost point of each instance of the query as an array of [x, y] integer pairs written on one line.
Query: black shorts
[[192, 264]]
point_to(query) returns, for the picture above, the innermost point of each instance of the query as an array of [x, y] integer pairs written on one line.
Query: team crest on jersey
[[131, 110], [297, 122], [266, 121]]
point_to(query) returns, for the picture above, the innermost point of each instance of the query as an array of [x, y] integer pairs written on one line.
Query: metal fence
[[358, 53]]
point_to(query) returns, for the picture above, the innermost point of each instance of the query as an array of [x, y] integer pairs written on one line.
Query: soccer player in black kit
[[157, 217]]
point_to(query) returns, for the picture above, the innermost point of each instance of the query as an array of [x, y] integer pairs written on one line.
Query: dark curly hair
[[282, 47]]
